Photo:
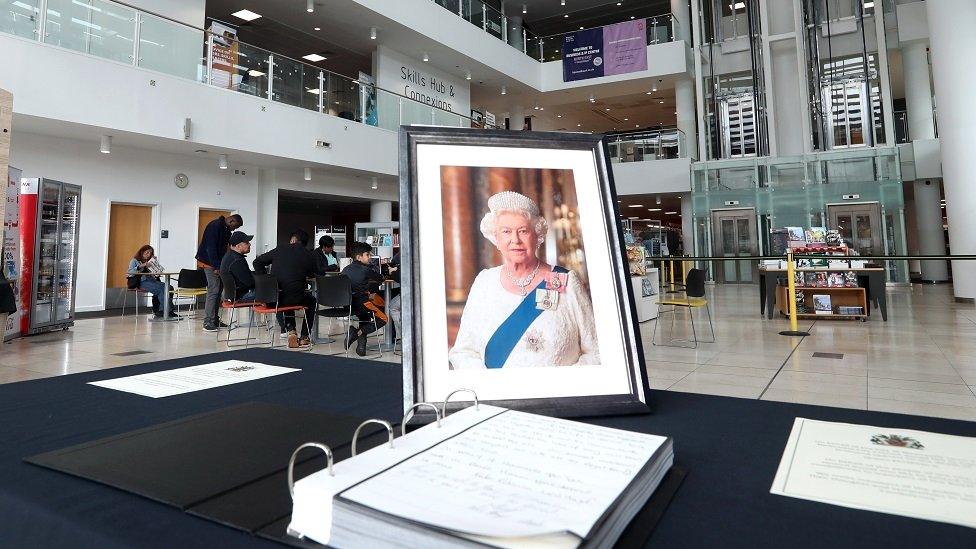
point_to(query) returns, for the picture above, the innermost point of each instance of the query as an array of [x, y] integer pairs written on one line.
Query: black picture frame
[[635, 401]]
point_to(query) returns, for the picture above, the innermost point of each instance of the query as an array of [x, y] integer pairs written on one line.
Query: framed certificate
[[515, 283]]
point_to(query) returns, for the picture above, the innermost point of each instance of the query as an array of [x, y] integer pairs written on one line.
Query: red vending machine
[[49, 216]]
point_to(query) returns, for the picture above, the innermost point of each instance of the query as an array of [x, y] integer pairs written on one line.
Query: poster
[[224, 56], [11, 248], [605, 51]]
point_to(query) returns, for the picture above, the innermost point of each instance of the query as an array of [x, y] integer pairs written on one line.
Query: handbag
[[133, 281]]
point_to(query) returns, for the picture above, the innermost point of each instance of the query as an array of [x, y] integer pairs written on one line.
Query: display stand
[[839, 297], [383, 237], [646, 294]]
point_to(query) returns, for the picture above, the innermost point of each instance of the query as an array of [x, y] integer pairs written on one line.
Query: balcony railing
[[124, 34], [654, 145], [660, 29]]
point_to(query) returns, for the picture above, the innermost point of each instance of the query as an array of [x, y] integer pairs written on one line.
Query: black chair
[[229, 301], [694, 298], [192, 284], [334, 293], [266, 292]]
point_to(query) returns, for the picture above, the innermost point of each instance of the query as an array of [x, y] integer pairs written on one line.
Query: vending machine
[[49, 217]]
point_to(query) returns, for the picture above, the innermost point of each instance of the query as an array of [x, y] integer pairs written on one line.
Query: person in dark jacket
[[234, 262], [293, 264], [213, 246], [366, 305], [326, 253]]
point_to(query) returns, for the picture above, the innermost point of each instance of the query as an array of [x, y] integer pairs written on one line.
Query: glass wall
[[808, 191], [20, 17], [103, 29]]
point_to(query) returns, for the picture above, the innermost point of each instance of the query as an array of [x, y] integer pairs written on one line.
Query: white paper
[[193, 378], [517, 475], [898, 471]]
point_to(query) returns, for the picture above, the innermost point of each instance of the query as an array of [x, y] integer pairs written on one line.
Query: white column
[[928, 193], [687, 224], [684, 99], [516, 118], [380, 211], [918, 91], [680, 11], [951, 24]]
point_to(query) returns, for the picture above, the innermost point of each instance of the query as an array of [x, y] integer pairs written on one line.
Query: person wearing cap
[[234, 263], [524, 312]]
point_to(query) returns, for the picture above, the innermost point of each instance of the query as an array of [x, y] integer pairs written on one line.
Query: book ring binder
[[384, 423], [409, 414], [454, 392], [291, 463]]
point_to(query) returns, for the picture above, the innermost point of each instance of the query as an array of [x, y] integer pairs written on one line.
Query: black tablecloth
[[731, 448]]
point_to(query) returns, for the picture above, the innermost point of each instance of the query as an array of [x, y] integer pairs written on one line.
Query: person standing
[[293, 264], [213, 246]]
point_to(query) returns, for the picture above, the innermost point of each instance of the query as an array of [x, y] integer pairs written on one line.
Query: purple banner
[[604, 51], [625, 47]]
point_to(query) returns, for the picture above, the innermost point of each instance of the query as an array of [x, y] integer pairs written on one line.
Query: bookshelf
[[383, 237]]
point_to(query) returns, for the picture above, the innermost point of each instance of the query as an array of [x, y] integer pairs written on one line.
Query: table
[[165, 299], [874, 276], [730, 446]]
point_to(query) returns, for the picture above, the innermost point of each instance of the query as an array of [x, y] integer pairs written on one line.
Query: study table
[[730, 447], [167, 277]]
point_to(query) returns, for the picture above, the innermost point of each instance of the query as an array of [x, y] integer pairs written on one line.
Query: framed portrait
[[515, 278]]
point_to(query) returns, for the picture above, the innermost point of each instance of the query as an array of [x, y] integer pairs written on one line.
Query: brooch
[[534, 341], [546, 300], [557, 282]]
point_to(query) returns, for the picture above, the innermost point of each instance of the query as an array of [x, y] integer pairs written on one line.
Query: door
[[738, 125], [205, 216], [848, 117], [859, 226], [129, 228], [67, 253], [735, 236], [46, 253]]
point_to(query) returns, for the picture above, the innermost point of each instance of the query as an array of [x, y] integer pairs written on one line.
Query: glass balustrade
[[640, 147], [117, 32]]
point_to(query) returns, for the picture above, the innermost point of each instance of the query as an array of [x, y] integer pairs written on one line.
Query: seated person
[[145, 262], [366, 304], [293, 264], [326, 253], [234, 263]]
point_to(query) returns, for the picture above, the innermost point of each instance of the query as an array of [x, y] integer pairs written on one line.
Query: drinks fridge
[[49, 216]]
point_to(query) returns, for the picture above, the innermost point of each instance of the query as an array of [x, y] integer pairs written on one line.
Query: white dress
[[563, 336]]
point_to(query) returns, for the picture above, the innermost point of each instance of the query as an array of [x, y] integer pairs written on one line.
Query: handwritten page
[[193, 378], [899, 471], [497, 478]]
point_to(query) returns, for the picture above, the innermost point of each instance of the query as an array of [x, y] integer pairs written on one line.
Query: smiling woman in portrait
[[524, 312]]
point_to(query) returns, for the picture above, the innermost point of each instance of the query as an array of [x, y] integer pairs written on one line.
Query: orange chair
[[229, 301], [266, 291]]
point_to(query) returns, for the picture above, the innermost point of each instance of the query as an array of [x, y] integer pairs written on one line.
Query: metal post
[[321, 91], [542, 53], [271, 68], [791, 296], [136, 33], [484, 17], [41, 30], [209, 59], [461, 8]]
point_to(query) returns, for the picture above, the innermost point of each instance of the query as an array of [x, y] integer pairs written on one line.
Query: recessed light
[[504, 91], [608, 108], [372, 33], [654, 209], [562, 2], [626, 119], [559, 116], [636, 206], [581, 28], [318, 28], [255, 73], [579, 125], [310, 6], [314, 57], [567, 15], [661, 101], [670, 213], [426, 57], [313, 91], [525, 9], [246, 15], [631, 16]]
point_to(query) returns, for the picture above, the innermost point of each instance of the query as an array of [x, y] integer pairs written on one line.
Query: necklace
[[523, 283]]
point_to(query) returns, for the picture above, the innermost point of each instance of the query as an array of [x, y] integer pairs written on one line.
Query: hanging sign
[[605, 51]]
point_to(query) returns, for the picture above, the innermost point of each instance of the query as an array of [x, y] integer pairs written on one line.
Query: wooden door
[[205, 216], [129, 228]]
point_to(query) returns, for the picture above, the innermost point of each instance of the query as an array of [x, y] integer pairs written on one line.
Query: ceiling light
[[504, 91], [636, 125], [308, 174], [592, 99], [658, 200], [579, 125], [106, 146], [654, 209], [426, 57], [581, 28], [618, 3], [626, 119], [542, 108], [246, 15], [661, 101], [636, 206], [318, 28], [608, 108], [631, 16], [650, 92], [567, 15], [525, 9], [372, 33], [737, 6], [375, 185], [467, 75], [310, 6], [559, 116], [222, 162], [670, 213], [314, 57], [562, 2], [869, 4]]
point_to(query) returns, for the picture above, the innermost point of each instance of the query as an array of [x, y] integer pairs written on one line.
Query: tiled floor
[[922, 361]]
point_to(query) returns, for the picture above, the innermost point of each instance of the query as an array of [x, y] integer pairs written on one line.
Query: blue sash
[[507, 336]]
